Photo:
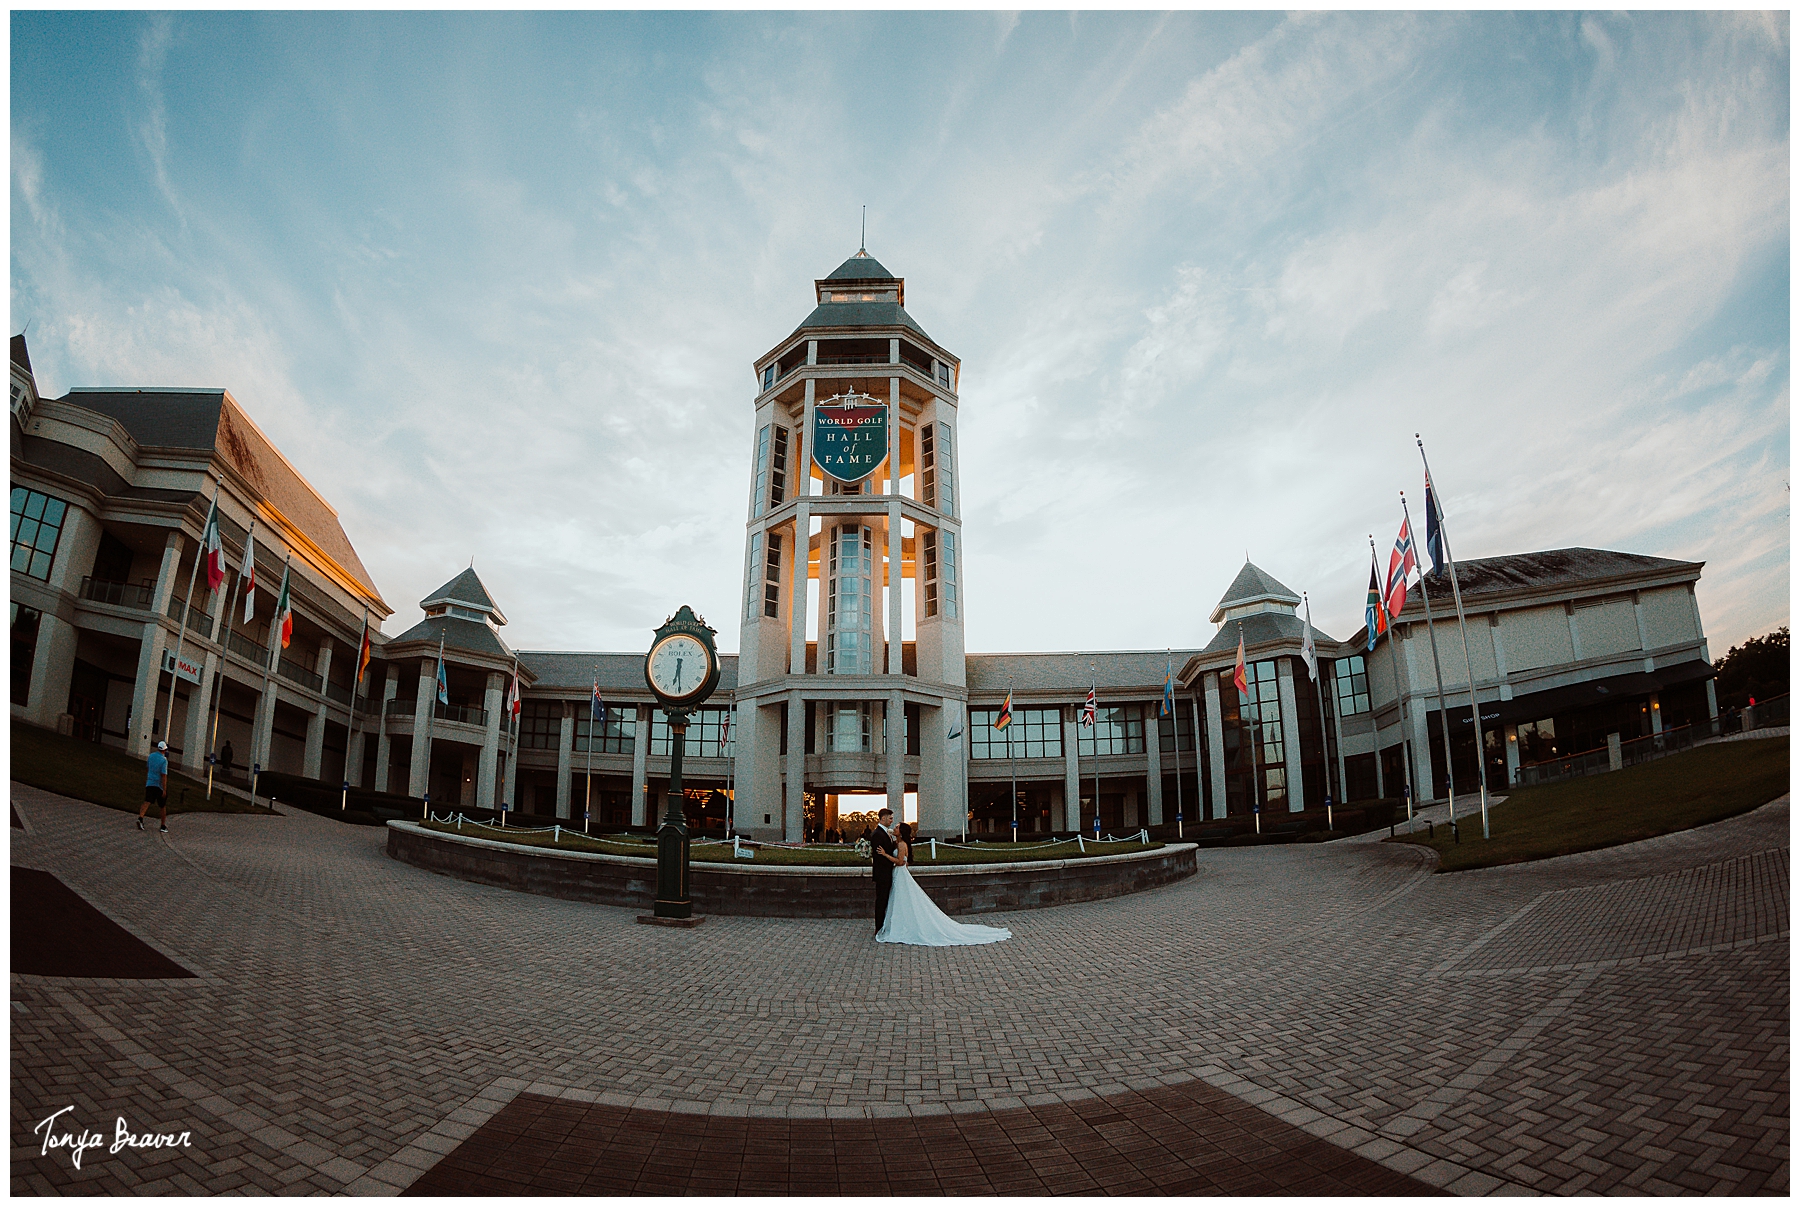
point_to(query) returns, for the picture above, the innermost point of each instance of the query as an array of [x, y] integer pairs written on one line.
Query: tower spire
[[862, 247]]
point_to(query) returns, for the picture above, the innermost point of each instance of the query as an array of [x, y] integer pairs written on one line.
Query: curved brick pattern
[[1190, 1139], [1694, 910], [350, 1008]]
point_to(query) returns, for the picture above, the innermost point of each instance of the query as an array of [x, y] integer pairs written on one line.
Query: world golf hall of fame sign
[[850, 436]]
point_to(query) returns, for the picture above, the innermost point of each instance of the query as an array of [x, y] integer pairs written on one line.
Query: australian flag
[[1434, 529], [596, 705]]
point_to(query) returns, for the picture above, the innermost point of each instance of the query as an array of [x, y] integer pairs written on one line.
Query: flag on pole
[[215, 553], [284, 610], [512, 696], [1092, 710], [250, 576], [1005, 717], [1401, 563], [1308, 650], [443, 684], [1434, 531], [597, 706], [1374, 614], [363, 652], [725, 732], [1239, 679], [1168, 700]]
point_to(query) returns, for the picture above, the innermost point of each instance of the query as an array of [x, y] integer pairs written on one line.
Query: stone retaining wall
[[768, 891]]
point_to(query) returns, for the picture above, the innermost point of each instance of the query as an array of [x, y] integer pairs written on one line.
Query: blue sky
[[494, 283]]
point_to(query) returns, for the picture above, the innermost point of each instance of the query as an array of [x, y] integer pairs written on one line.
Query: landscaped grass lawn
[[816, 856], [1703, 785], [103, 775]]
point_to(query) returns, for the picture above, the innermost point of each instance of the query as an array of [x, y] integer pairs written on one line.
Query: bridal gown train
[[914, 918]]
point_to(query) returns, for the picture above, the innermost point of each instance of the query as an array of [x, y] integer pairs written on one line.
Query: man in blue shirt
[[156, 787]]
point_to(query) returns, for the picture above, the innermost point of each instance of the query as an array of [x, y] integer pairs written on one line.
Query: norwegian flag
[[1401, 563], [1091, 711]]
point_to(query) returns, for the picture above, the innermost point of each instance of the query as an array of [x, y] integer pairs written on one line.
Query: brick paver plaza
[[1309, 1017]]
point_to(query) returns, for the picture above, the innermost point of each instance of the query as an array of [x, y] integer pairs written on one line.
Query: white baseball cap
[[162, 745]]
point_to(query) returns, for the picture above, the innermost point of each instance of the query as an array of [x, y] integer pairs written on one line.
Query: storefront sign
[[850, 436], [180, 667]]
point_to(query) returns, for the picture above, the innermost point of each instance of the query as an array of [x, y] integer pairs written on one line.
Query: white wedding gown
[[914, 918]]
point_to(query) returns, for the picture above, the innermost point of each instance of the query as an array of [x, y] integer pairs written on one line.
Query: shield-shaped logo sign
[[850, 439]]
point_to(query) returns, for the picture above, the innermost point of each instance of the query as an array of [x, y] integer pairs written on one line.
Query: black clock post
[[682, 669]]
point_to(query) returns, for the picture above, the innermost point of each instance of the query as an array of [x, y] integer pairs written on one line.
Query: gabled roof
[[557, 670], [465, 590], [211, 420], [1071, 674], [1552, 569], [1253, 585], [464, 636], [1261, 628], [861, 267]]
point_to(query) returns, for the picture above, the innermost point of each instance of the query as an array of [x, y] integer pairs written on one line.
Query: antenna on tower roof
[[863, 247]]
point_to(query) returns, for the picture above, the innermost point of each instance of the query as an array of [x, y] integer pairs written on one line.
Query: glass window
[[1181, 729], [847, 727], [929, 540], [1035, 733], [759, 491], [949, 572], [927, 466], [619, 734], [768, 376], [708, 735], [540, 724], [778, 467], [37, 521], [850, 605], [1118, 729], [1352, 678], [772, 578], [753, 576], [948, 469]]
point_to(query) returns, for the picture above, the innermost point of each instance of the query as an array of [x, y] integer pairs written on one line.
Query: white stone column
[[1072, 768], [1290, 734], [565, 758], [797, 592], [150, 652], [640, 765], [52, 670], [487, 771], [384, 745], [315, 725], [895, 659], [418, 779], [1215, 744], [894, 752], [793, 804], [196, 741], [1153, 762]]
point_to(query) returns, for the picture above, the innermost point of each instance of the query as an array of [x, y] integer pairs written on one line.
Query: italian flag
[[284, 610]]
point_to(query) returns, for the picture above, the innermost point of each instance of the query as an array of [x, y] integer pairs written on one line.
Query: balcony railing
[[197, 619], [854, 360], [243, 647], [1599, 760], [467, 715], [124, 595], [402, 708], [295, 673], [339, 692]]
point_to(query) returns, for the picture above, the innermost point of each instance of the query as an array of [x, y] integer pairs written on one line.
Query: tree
[[1758, 668]]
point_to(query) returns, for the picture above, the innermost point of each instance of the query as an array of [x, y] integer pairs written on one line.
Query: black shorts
[[153, 796]]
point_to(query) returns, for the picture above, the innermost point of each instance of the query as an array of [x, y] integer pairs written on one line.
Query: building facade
[[852, 677]]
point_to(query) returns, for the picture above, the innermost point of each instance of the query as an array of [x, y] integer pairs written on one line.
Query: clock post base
[[683, 923]]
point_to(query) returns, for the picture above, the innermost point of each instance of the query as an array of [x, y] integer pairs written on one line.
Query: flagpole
[[269, 657], [587, 804], [186, 607], [1405, 728], [225, 648], [1437, 668], [354, 684], [1199, 783], [1319, 691], [440, 684], [1245, 705], [1435, 506], [730, 769], [1013, 760], [516, 707], [1175, 726]]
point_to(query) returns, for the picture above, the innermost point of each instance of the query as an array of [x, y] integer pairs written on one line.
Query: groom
[[885, 848]]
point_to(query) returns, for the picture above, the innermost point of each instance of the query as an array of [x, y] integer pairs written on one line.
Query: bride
[[914, 918]]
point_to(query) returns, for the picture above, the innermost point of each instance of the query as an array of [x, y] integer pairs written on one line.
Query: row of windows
[[540, 728], [935, 487], [37, 521], [771, 468], [1036, 733], [940, 573], [1352, 678]]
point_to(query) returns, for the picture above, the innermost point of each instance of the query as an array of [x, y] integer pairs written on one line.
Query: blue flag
[[597, 706], [1168, 700], [443, 687]]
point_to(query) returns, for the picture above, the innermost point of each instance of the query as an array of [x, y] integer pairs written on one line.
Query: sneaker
[[165, 829], [140, 823]]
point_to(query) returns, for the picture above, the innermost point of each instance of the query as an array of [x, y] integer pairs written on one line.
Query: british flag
[[1092, 709]]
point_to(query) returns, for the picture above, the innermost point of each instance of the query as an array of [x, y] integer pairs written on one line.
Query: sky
[[495, 284]]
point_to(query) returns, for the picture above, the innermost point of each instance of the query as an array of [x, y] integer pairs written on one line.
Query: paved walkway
[[1616, 1020]]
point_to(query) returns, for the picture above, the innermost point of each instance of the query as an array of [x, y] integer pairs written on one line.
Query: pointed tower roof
[[465, 591], [1254, 590], [861, 267]]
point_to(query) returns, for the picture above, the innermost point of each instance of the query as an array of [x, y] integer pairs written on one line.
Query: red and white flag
[[513, 703], [1238, 678], [1092, 709], [215, 553], [250, 577], [1401, 564]]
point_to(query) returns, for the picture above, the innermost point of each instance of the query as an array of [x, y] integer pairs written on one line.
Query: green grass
[[104, 775], [1679, 792], [574, 840]]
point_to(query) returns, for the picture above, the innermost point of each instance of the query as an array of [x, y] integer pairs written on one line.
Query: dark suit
[[881, 840]]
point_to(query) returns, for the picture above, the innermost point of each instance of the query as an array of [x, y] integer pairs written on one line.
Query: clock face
[[678, 666]]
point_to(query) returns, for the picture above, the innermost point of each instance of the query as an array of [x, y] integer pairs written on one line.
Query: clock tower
[[850, 664]]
